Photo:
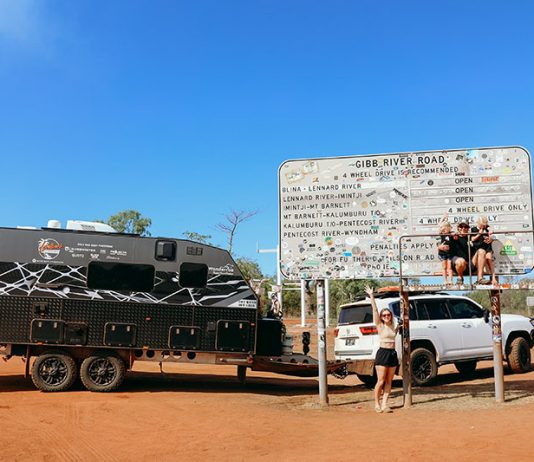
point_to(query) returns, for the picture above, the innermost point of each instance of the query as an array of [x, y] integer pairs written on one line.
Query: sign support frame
[[406, 364], [496, 328]]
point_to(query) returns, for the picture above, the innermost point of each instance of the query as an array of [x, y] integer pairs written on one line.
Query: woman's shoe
[[387, 410], [378, 409]]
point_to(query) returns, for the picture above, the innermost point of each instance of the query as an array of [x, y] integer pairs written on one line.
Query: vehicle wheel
[[102, 372], [54, 371], [466, 367], [368, 380], [424, 366], [519, 356], [242, 374]]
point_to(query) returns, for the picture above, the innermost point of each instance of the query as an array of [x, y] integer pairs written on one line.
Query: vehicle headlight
[[532, 322]]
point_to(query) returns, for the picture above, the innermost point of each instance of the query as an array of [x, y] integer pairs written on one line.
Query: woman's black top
[[479, 243]]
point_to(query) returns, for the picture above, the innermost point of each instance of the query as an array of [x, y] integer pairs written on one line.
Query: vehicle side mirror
[[486, 316]]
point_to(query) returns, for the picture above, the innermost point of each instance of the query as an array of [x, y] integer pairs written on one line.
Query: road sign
[[341, 218]]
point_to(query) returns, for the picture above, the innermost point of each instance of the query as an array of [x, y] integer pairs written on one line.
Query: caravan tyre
[[102, 372], [54, 371]]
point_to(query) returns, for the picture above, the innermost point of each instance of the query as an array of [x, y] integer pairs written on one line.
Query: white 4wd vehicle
[[443, 329]]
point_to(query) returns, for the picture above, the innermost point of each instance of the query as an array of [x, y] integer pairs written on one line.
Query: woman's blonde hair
[[482, 220], [392, 315], [444, 224]]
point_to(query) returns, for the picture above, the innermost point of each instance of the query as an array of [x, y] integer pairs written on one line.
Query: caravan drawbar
[[90, 304]]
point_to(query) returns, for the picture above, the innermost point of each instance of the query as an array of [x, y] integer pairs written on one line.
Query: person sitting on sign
[[481, 238], [444, 251], [386, 360], [459, 250]]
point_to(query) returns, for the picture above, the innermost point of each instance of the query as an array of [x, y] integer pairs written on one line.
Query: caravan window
[[193, 275], [120, 276]]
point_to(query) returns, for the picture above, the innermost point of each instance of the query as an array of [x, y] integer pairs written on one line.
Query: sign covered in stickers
[[343, 218]]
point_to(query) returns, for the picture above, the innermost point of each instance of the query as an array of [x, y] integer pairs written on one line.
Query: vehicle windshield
[[356, 314]]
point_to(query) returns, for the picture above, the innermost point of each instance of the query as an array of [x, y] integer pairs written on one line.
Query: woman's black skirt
[[386, 357]]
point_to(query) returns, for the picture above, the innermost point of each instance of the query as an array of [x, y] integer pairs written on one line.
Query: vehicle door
[[442, 329], [476, 333]]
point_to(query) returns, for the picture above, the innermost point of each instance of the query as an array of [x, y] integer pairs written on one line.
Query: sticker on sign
[[343, 217]]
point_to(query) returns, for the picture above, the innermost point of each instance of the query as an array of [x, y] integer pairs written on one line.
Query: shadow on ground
[[448, 386]]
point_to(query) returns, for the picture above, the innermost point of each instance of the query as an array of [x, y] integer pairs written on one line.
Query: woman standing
[[386, 360]]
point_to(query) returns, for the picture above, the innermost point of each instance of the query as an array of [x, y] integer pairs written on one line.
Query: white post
[[279, 278], [302, 303], [327, 301], [321, 345]]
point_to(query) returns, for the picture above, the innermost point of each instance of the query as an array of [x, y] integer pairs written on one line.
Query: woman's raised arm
[[376, 315]]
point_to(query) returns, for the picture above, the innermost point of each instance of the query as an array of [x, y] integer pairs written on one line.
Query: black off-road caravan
[[89, 304]]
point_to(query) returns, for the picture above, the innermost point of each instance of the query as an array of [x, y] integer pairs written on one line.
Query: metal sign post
[[321, 344], [302, 303], [327, 301], [406, 349], [497, 345]]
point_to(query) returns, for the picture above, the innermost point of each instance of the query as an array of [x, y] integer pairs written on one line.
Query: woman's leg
[[449, 270], [379, 387], [479, 260], [491, 266], [390, 372], [460, 265], [444, 270]]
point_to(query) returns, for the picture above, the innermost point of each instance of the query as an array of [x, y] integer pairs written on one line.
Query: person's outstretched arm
[[376, 314]]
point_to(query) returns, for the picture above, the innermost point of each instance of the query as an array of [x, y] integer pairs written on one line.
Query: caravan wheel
[[54, 371], [102, 372]]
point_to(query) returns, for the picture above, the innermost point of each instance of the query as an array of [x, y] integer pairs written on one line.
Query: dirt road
[[196, 412]]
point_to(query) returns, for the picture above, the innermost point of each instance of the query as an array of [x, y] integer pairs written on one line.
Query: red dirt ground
[[197, 412]]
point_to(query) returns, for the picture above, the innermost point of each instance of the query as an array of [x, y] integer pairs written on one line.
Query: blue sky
[[184, 110]]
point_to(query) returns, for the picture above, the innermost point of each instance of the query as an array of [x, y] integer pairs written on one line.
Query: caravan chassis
[[70, 336]]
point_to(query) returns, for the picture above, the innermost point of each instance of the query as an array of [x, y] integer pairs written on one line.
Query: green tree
[[513, 301], [249, 268], [346, 291], [260, 283], [341, 291], [291, 303], [197, 237], [130, 221]]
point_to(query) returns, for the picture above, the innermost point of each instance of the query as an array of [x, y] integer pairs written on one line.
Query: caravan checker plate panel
[[341, 218]]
